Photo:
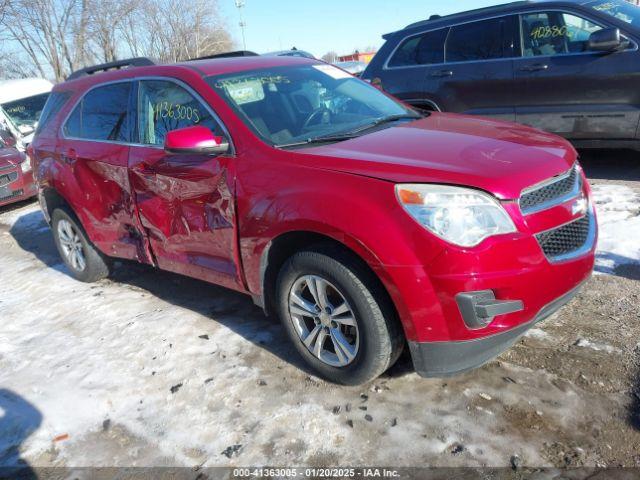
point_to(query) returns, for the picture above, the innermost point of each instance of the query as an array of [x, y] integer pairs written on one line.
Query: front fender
[[359, 212]]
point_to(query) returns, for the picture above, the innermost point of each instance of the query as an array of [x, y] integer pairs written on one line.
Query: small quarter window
[[54, 104], [424, 49], [165, 106]]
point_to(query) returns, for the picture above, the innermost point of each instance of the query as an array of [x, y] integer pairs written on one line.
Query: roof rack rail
[[117, 65], [239, 53]]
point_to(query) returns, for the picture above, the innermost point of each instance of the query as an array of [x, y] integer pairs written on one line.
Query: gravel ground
[[150, 368]]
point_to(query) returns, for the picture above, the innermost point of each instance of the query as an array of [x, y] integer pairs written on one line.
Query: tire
[[374, 342], [71, 238]]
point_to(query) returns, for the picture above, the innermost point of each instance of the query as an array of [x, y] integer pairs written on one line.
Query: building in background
[[357, 57]]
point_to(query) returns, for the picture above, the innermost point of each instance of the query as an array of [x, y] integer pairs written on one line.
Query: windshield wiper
[[322, 139], [382, 120], [351, 134]]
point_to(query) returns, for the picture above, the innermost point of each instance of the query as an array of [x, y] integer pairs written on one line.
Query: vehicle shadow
[[234, 310], [623, 266], [611, 164], [18, 420]]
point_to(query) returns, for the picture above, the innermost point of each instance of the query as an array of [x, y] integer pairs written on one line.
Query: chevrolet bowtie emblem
[[580, 206]]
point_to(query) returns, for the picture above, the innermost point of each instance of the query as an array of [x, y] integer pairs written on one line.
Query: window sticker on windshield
[[247, 91], [605, 6], [333, 72]]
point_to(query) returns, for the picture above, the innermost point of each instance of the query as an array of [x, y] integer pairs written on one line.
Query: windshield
[[620, 9], [290, 104], [26, 111]]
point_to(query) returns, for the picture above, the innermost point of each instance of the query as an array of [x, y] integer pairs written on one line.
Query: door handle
[[442, 73], [70, 157], [536, 67]]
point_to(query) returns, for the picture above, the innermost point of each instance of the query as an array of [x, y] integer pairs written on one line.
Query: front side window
[[26, 111], [620, 9], [164, 106], [424, 49], [103, 114], [302, 103], [475, 41], [555, 33]]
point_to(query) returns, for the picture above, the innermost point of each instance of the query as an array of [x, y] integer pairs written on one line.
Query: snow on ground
[[618, 210], [150, 368]]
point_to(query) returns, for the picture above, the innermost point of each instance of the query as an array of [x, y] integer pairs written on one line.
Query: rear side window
[[103, 114], [424, 49], [165, 106], [54, 104], [483, 40]]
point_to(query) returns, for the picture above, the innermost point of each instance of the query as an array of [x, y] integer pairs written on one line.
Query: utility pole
[[240, 5]]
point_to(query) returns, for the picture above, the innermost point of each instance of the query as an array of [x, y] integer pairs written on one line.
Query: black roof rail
[[117, 65], [239, 53], [496, 8]]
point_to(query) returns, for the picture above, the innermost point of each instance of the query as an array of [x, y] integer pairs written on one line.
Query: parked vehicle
[[21, 102], [360, 223], [294, 52], [569, 67], [354, 68], [16, 176]]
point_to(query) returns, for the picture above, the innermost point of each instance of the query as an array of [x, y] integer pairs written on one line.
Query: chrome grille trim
[[552, 192]]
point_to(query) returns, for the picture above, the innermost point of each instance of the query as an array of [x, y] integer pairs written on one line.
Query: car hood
[[499, 157], [10, 157]]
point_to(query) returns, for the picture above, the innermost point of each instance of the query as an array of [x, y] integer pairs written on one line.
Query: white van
[[21, 102]]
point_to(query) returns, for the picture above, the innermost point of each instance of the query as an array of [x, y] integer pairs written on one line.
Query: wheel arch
[[50, 199], [282, 247]]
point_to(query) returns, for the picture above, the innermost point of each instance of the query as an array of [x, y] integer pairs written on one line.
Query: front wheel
[[338, 318], [82, 259]]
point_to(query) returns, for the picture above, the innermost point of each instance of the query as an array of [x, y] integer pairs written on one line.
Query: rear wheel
[[84, 261], [337, 317]]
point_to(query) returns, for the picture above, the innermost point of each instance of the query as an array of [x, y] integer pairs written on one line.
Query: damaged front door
[[185, 201]]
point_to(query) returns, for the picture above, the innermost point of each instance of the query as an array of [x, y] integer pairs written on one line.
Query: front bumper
[[16, 186], [441, 359]]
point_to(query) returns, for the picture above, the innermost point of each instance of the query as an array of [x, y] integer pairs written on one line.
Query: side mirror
[[195, 140], [606, 40]]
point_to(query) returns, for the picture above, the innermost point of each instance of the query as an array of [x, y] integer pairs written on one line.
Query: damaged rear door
[[185, 202]]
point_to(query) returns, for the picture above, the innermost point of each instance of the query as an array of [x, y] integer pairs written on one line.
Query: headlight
[[462, 216], [26, 165]]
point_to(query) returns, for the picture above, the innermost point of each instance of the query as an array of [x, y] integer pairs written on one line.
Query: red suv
[[362, 224]]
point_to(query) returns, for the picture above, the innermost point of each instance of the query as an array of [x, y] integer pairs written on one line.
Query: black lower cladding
[[442, 359]]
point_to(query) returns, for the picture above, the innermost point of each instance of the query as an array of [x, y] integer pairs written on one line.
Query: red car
[[362, 224], [16, 177]]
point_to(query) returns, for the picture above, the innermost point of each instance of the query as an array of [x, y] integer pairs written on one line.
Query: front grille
[[554, 192], [8, 178], [567, 239], [17, 193]]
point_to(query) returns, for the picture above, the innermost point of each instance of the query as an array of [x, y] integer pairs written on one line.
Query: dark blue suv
[[569, 67]]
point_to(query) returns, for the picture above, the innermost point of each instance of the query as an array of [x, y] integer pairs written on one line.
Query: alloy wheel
[[71, 245], [324, 320]]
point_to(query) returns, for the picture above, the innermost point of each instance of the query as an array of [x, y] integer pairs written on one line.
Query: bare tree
[[330, 57], [57, 37], [45, 31], [177, 30]]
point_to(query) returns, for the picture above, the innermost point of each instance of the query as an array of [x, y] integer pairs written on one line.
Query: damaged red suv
[[362, 224]]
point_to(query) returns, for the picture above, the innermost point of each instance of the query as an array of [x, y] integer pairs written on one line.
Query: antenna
[[240, 5]]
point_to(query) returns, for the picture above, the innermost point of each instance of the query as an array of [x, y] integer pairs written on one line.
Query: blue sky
[[319, 26]]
